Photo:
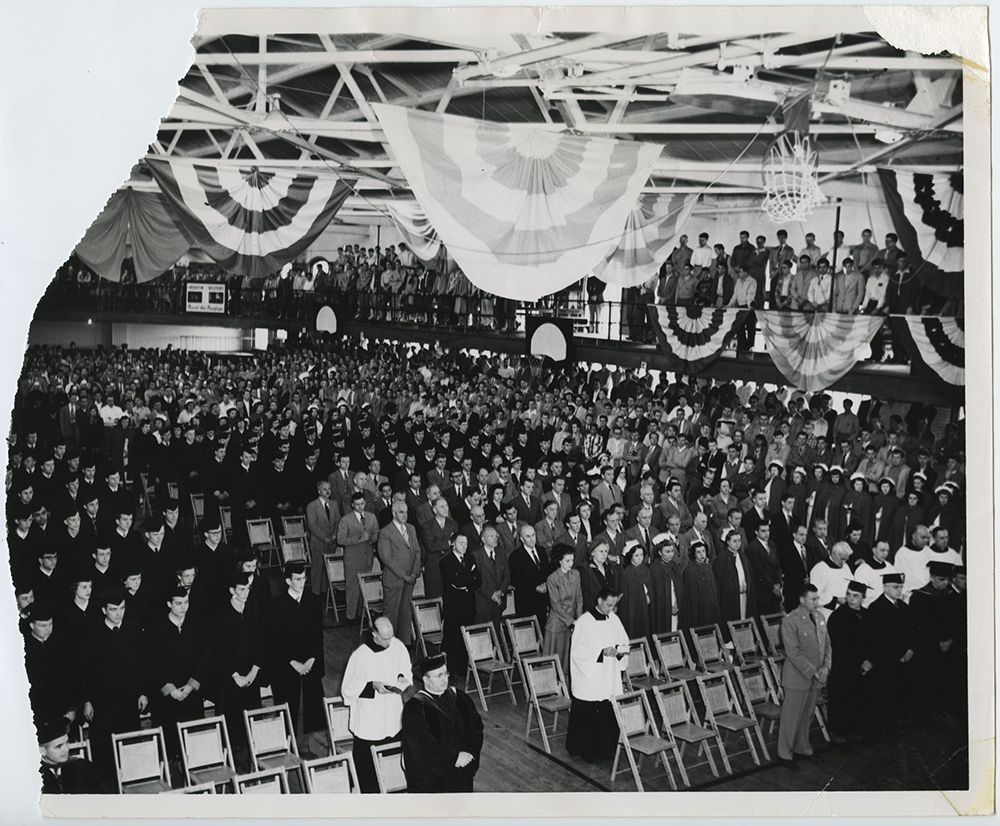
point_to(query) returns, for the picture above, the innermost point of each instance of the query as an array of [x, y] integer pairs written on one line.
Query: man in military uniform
[[849, 641]]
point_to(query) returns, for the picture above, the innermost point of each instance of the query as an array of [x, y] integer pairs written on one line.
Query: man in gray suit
[[491, 596], [399, 551], [322, 516], [356, 534], [509, 528], [807, 665], [435, 537]]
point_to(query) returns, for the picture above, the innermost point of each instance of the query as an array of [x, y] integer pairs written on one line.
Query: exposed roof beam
[[511, 63], [318, 59]]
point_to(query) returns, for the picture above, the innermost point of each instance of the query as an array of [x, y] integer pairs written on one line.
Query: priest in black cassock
[[848, 632], [442, 734], [296, 632]]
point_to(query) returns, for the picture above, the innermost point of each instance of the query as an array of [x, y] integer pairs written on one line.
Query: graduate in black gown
[[442, 734], [60, 774], [637, 592], [667, 587], [700, 603], [848, 632], [461, 579], [889, 684]]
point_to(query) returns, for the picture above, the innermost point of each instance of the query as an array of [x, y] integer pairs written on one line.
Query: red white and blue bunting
[[815, 350], [928, 214], [935, 344], [524, 210], [250, 220], [691, 338]]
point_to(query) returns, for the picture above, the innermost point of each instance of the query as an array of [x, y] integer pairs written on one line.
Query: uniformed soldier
[[849, 638]]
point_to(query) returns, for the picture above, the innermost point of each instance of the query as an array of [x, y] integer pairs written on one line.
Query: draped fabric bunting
[[927, 212], [418, 234], [691, 338], [936, 346], [650, 230], [525, 211], [139, 218], [815, 350], [250, 220]]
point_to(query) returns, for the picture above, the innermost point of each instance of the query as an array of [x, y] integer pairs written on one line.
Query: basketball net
[[790, 170], [535, 364]]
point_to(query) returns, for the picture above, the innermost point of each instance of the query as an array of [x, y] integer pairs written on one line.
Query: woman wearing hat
[[700, 602], [856, 508], [667, 588], [599, 573], [884, 507], [636, 591]]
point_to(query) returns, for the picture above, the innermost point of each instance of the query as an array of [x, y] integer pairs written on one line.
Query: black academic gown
[[633, 608], [435, 730], [846, 686], [296, 632], [934, 616], [700, 605], [890, 634], [75, 776], [661, 611], [52, 677], [727, 581]]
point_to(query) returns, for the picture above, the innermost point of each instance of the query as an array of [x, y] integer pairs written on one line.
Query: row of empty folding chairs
[[208, 765]]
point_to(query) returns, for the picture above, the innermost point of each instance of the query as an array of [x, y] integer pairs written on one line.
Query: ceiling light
[[889, 136]]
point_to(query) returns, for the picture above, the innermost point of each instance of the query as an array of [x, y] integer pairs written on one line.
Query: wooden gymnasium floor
[[929, 755]]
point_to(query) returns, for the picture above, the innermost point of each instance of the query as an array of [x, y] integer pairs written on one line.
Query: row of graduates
[[110, 656]]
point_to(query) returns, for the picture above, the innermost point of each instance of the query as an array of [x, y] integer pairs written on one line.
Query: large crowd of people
[[666, 501]]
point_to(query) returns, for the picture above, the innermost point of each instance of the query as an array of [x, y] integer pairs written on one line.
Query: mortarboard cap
[[940, 568], [429, 664], [857, 587], [892, 579], [48, 732]]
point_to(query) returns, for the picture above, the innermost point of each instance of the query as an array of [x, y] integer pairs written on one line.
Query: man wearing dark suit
[[783, 523], [757, 512], [474, 529], [549, 531], [672, 504], [642, 532], [606, 492], [356, 533], [576, 537], [767, 570], [808, 657], [795, 565], [509, 529], [340, 479], [560, 497], [435, 537], [818, 545], [528, 508], [612, 534], [493, 564], [527, 576], [322, 519], [384, 504], [399, 552]]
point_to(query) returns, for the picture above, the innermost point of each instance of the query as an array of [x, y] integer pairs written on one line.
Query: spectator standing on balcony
[[702, 255], [687, 286], [890, 255], [838, 249], [595, 300], [810, 249], [800, 281], [865, 253], [904, 294], [779, 255], [848, 287], [781, 288], [744, 297], [666, 290], [680, 257], [820, 288]]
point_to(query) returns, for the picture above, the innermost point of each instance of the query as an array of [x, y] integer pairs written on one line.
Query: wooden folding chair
[[173, 490], [638, 734], [419, 588], [640, 673], [268, 781], [723, 713], [80, 750], [147, 500], [336, 581], [428, 622], [674, 656], [198, 509], [206, 754], [546, 686], [201, 788], [678, 713], [293, 527], [747, 642], [338, 720], [331, 775], [271, 736], [771, 623], [261, 536], [759, 692], [710, 649], [293, 549], [371, 599], [389, 768], [525, 639], [226, 518], [141, 762], [485, 656]]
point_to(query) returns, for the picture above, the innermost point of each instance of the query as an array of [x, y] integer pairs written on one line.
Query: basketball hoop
[[535, 364], [790, 172]]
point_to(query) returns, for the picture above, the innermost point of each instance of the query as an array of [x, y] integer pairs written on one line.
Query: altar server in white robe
[[831, 577], [871, 573], [598, 656], [378, 674]]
